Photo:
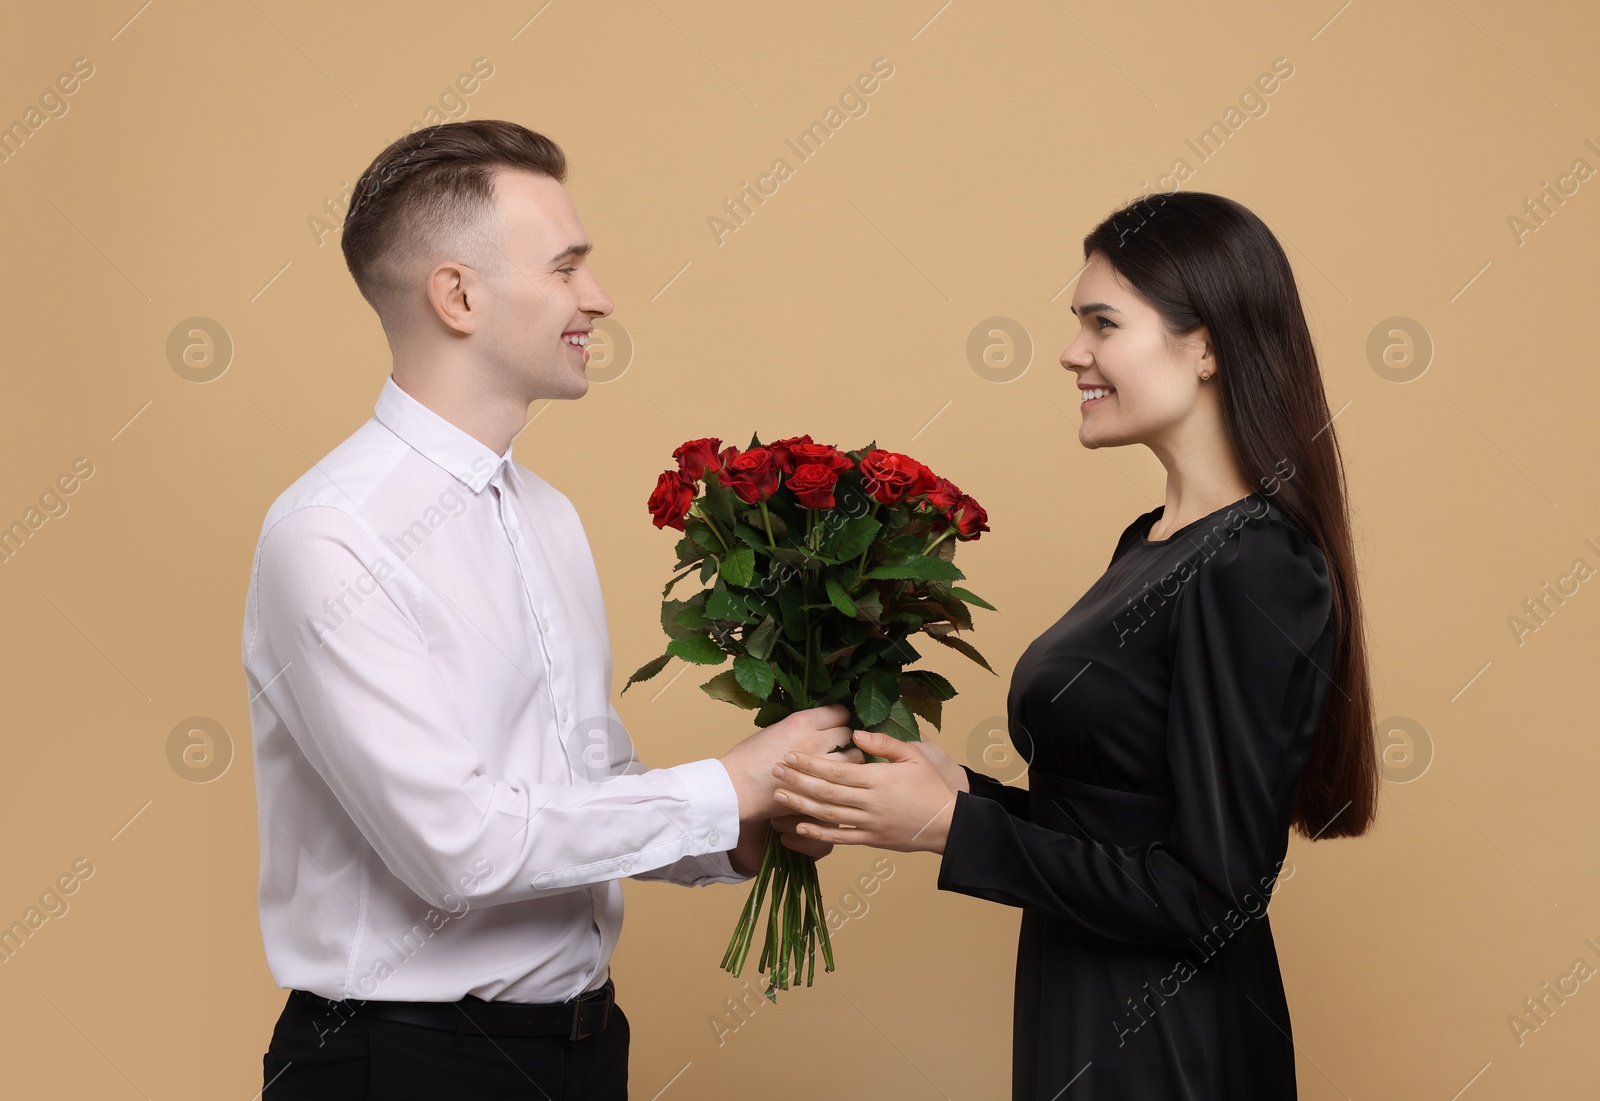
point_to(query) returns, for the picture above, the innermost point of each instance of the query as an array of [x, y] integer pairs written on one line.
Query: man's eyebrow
[[574, 251], [1092, 307]]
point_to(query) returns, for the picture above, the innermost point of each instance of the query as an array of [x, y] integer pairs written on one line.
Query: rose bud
[[970, 518]]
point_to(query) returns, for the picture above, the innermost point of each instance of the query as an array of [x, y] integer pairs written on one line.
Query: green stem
[[712, 524], [948, 532], [766, 519], [862, 563], [805, 680]]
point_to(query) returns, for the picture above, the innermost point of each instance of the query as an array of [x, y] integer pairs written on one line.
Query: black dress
[[1167, 719]]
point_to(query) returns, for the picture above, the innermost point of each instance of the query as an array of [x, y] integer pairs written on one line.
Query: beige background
[[180, 183]]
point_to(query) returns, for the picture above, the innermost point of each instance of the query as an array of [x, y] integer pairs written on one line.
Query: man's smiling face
[[543, 300]]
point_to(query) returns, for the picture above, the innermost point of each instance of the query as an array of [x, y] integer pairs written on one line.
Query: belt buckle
[[605, 995]]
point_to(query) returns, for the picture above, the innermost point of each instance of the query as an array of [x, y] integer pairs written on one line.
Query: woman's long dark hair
[[1202, 259]]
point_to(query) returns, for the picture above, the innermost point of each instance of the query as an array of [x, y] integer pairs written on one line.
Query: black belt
[[575, 1019]]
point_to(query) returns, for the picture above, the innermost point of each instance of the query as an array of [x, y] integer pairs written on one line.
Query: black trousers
[[318, 1055]]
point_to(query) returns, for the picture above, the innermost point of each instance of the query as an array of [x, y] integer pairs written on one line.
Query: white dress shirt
[[447, 795]]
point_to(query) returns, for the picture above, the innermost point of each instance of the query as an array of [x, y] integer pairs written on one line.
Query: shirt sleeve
[[1246, 701], [369, 710], [688, 871]]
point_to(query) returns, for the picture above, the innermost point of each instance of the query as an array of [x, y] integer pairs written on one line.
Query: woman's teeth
[[1090, 395]]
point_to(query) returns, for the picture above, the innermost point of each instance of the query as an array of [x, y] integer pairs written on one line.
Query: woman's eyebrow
[[1092, 307]]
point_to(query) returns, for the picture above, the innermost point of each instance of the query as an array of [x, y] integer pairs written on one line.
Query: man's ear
[[454, 290]]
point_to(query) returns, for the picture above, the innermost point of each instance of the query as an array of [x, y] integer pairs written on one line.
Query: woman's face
[[1123, 346]]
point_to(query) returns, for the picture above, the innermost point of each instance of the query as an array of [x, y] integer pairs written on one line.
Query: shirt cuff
[[713, 806]]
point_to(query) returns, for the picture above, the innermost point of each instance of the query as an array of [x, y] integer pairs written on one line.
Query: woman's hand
[[902, 804]]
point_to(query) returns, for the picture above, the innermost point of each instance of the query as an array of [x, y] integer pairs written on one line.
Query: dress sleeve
[[1015, 800], [1245, 703]]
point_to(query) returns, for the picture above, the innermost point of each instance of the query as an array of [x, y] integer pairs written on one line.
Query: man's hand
[[812, 732], [955, 777], [746, 856]]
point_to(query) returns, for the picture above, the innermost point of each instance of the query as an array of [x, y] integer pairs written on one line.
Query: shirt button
[[626, 865], [544, 621], [516, 536], [563, 714], [713, 837]]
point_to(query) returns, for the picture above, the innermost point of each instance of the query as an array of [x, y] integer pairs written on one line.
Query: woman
[[1207, 693]]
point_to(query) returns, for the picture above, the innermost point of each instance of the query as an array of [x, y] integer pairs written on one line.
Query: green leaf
[[870, 605], [670, 610], [933, 681], [957, 612], [692, 617], [725, 686], [756, 539], [919, 567], [840, 598], [731, 606], [759, 643], [921, 700], [708, 570], [961, 645], [701, 535], [794, 616], [873, 700], [786, 681], [810, 557], [698, 649], [901, 652], [718, 502], [972, 598], [739, 566], [647, 670], [771, 711], [852, 537], [898, 723], [754, 676], [838, 690]]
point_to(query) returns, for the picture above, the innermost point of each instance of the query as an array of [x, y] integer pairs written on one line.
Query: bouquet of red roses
[[817, 566]]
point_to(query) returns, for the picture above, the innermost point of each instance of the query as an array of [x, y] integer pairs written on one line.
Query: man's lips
[[580, 349]]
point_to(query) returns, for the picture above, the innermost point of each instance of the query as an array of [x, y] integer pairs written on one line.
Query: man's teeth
[[1086, 395], [577, 340]]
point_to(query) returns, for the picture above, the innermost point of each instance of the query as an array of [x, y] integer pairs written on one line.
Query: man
[[447, 795]]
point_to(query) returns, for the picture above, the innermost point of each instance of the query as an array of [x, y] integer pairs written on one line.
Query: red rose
[[955, 508], [812, 484], [891, 477], [970, 518], [944, 494], [698, 456], [752, 475], [820, 453], [781, 451], [670, 501]]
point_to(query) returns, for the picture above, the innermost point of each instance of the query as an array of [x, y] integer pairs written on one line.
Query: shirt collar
[[439, 441]]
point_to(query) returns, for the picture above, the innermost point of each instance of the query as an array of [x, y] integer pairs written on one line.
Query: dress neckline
[[1156, 513]]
